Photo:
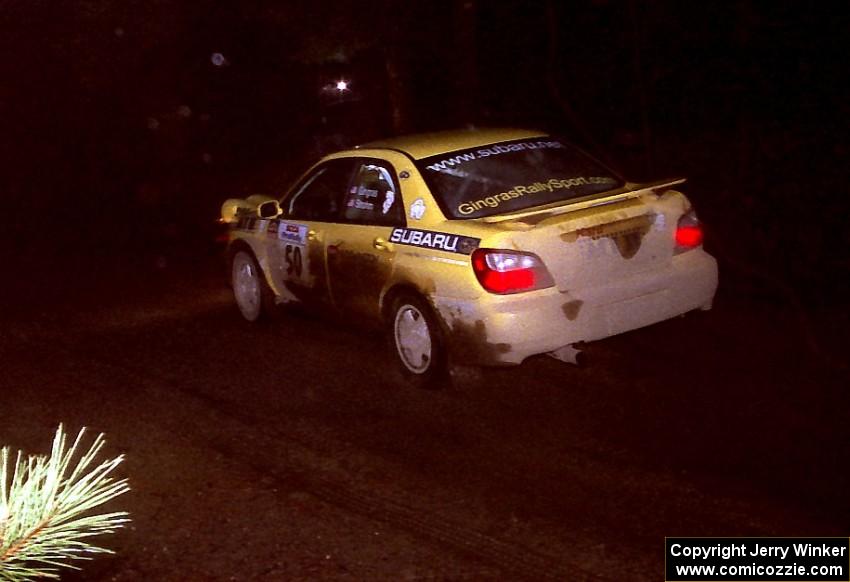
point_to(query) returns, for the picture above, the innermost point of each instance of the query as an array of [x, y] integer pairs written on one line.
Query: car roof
[[424, 145]]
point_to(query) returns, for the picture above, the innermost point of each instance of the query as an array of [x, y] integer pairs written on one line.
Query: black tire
[[254, 298], [416, 342]]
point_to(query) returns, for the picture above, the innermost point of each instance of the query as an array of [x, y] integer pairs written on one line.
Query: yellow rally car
[[472, 247]]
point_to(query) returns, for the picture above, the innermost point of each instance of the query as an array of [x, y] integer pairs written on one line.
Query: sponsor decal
[[293, 233], [364, 192], [495, 150], [360, 205], [519, 191], [440, 241], [417, 209]]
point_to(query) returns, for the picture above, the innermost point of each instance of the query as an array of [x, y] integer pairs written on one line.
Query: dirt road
[[284, 451]]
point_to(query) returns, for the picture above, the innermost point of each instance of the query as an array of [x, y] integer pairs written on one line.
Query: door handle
[[381, 244]]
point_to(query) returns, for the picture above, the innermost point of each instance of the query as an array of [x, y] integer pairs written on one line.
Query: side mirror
[[269, 209]]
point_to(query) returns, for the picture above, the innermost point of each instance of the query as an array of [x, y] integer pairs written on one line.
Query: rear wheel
[[254, 298], [416, 342]]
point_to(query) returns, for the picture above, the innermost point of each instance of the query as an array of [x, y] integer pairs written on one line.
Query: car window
[[319, 196], [374, 197], [512, 176]]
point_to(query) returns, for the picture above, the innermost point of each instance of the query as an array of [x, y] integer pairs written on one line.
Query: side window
[[374, 197], [319, 196]]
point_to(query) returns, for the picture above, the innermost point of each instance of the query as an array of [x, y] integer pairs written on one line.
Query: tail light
[[688, 232], [505, 272]]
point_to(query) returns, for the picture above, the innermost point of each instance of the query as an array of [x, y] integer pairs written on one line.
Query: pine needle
[[42, 507]]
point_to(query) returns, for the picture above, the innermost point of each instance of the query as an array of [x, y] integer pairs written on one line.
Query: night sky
[[153, 111]]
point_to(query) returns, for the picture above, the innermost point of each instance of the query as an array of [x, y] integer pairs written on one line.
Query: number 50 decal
[[294, 262]]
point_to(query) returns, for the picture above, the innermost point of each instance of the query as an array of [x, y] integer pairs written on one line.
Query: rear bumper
[[509, 329]]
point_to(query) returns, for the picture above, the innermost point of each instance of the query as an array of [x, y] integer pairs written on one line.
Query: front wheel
[[416, 342], [253, 296]]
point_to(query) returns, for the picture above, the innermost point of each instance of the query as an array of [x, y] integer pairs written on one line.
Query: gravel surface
[[286, 452]]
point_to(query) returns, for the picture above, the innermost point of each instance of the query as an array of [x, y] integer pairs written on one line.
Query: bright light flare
[[342, 85]]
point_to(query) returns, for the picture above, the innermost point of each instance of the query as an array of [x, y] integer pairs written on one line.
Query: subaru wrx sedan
[[472, 248]]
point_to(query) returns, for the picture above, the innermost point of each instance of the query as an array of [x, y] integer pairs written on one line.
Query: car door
[[298, 255], [359, 255]]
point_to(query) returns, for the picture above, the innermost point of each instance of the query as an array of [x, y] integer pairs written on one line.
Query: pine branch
[[42, 521]]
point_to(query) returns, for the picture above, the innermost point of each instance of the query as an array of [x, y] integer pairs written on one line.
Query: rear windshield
[[512, 176]]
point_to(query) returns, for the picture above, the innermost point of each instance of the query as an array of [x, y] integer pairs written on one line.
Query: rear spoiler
[[611, 197]]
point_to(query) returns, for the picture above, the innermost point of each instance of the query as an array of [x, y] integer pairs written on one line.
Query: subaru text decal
[[434, 240]]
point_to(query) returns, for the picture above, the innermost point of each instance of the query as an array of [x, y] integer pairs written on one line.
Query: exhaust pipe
[[568, 354]]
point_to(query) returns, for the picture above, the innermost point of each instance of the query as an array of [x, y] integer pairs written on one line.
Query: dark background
[[121, 131]]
